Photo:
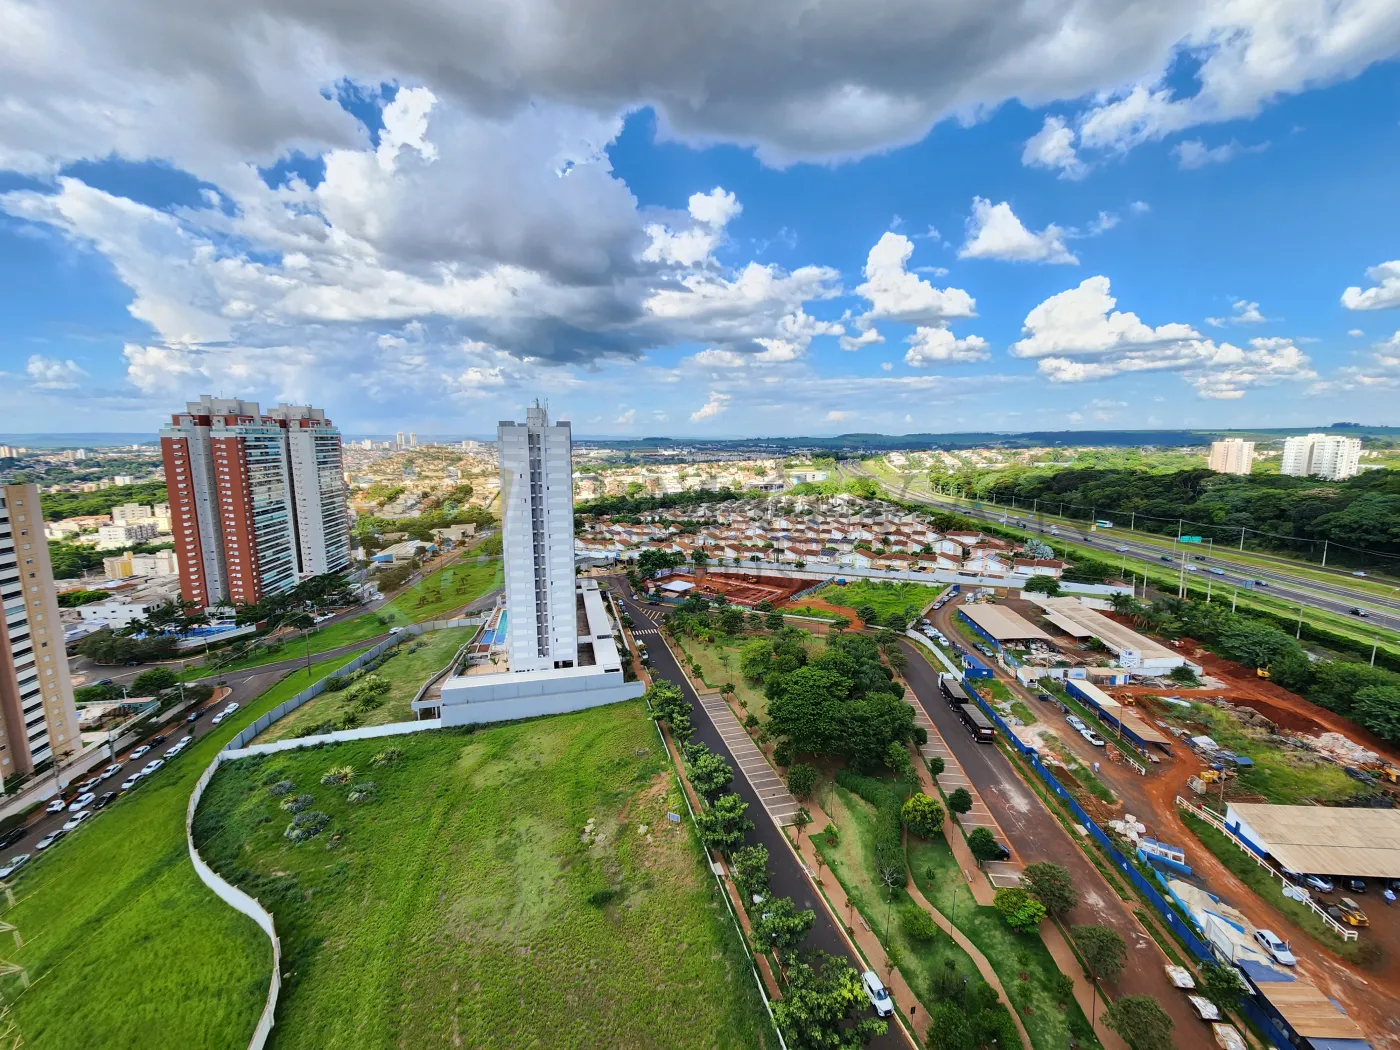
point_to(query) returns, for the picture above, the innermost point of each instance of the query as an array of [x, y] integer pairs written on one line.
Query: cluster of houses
[[842, 531]]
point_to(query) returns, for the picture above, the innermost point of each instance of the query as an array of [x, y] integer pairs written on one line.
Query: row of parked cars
[[1082, 728], [87, 801]]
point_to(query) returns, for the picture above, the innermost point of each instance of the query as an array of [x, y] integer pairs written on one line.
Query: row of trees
[[1282, 513], [1369, 696]]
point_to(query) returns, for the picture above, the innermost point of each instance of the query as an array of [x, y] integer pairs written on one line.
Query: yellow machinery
[[1262, 672], [1350, 912], [1208, 776]]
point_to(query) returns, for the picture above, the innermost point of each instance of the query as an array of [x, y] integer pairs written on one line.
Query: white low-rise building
[[113, 612]]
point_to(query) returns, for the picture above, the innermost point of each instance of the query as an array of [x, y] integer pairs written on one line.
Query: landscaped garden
[[893, 603], [124, 946], [518, 886], [375, 696]]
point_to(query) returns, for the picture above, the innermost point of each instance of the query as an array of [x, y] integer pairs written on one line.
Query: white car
[[18, 861], [138, 752], [75, 821], [876, 993], [56, 806], [1121, 550], [130, 782], [1077, 722], [1092, 737], [1276, 947], [151, 767], [230, 709], [218, 718], [111, 770], [81, 802], [48, 840], [177, 749]]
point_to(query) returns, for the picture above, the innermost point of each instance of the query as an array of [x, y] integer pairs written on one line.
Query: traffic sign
[[1190, 539]]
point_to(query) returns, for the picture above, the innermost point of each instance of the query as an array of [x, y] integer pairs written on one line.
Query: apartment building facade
[[1231, 456], [230, 482], [1322, 456], [537, 532], [38, 719], [317, 469]]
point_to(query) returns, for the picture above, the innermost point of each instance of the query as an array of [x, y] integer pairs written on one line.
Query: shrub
[[338, 775], [1021, 911], [935, 765], [889, 827], [832, 834], [282, 787], [387, 757], [1052, 885], [783, 753], [363, 791], [296, 803], [960, 801], [305, 825], [917, 924], [335, 684]]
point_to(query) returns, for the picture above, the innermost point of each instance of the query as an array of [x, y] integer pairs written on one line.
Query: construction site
[[1164, 766], [747, 589]]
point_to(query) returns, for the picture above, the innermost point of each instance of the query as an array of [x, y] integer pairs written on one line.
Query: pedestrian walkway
[[999, 872], [772, 792]]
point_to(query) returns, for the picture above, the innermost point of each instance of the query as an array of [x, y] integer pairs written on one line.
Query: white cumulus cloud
[[714, 406], [935, 345], [1384, 295], [994, 232], [896, 294], [1053, 147], [48, 373]]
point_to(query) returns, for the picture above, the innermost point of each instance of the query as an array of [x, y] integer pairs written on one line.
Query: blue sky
[[1179, 219]]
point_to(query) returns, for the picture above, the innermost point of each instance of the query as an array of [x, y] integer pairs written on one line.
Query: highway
[[788, 879], [1381, 612]]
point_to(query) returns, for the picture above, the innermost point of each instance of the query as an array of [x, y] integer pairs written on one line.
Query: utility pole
[[1235, 600], [1324, 554], [1208, 589], [1298, 634], [1132, 521], [1241, 537], [1374, 642]]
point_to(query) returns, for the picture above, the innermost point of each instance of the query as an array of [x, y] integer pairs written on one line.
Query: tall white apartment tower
[[318, 488], [1321, 455], [537, 530], [1231, 456]]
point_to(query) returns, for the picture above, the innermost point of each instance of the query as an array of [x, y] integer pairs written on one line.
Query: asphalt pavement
[[788, 879]]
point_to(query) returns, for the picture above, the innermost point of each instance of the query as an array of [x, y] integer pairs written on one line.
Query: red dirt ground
[[745, 588]]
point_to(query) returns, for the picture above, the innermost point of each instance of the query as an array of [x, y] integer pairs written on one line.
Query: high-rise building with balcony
[[1231, 456], [1321, 455], [537, 533], [38, 719], [231, 473]]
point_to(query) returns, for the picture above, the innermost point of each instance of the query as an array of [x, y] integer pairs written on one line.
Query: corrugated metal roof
[[1064, 623], [1003, 624], [1328, 840]]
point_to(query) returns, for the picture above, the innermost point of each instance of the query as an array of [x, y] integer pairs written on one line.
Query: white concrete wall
[[543, 703]]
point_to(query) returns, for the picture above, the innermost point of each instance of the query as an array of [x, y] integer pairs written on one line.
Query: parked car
[[152, 766], [130, 782], [218, 718], [1318, 883], [49, 839], [89, 784], [12, 836], [876, 993], [230, 709], [1002, 853], [76, 820], [1047, 697], [1356, 885], [156, 740], [81, 802], [105, 800], [56, 805], [1076, 721], [111, 770], [193, 717], [1092, 737], [18, 861], [1276, 947], [135, 755]]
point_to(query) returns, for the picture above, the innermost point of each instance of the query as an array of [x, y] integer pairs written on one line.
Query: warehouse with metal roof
[[1003, 625], [1321, 840], [1133, 650]]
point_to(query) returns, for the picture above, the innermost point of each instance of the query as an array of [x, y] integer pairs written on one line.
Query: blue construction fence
[[1180, 927]]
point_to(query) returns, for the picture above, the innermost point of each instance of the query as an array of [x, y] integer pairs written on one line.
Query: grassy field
[[807, 610], [440, 593], [125, 947], [412, 664], [1011, 955], [886, 597], [464, 905]]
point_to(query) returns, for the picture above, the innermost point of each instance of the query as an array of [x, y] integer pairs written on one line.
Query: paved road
[[1331, 597], [1036, 835], [788, 879]]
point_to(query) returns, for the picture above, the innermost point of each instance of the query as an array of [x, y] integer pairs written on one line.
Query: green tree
[[1221, 985], [1041, 584], [1141, 1021], [948, 1028], [709, 772], [156, 680], [1019, 909], [868, 614], [917, 924], [773, 620], [1103, 951], [960, 800], [936, 765], [755, 658], [922, 815], [1052, 885], [749, 866], [1377, 707], [825, 1007], [732, 620], [983, 844], [840, 623], [781, 925], [802, 779], [723, 826]]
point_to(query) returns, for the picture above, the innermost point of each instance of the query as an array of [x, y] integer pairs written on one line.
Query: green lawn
[[1024, 964], [439, 594], [719, 662], [125, 947], [412, 664], [886, 597], [807, 610], [462, 906], [1010, 954]]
